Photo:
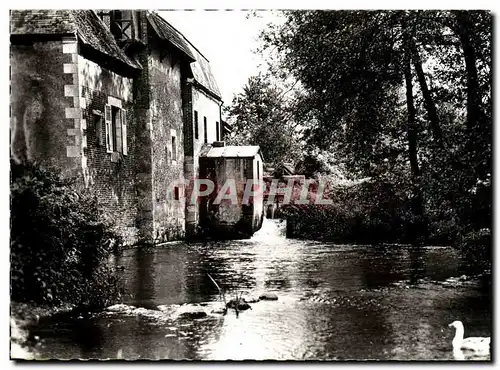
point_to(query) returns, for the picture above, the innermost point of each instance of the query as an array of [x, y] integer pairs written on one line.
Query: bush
[[476, 249], [60, 241], [367, 213]]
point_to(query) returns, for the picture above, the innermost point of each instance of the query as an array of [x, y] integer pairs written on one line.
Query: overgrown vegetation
[[380, 212], [368, 212], [400, 97], [60, 241], [365, 213]]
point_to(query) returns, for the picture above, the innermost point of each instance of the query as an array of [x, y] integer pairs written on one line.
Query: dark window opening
[[195, 124], [258, 170], [174, 148], [217, 131], [205, 129], [114, 127], [176, 193]]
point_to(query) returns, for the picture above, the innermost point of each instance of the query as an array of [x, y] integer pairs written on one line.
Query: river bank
[[22, 317]]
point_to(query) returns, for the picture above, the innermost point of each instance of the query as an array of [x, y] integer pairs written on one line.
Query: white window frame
[[123, 116], [120, 133], [108, 128]]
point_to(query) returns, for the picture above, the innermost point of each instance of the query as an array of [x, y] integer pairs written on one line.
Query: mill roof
[[168, 33], [200, 66]]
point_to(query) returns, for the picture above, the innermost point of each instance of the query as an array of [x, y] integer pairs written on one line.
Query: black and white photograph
[[250, 184]]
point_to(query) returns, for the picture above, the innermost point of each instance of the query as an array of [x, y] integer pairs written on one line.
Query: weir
[[272, 230]]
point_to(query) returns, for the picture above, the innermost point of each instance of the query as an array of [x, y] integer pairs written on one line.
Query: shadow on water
[[144, 288], [353, 329], [230, 268], [385, 264], [204, 260], [417, 264]]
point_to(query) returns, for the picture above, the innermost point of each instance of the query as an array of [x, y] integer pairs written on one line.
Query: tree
[[260, 116], [388, 91]]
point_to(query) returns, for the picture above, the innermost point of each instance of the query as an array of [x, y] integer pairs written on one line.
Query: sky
[[227, 39]]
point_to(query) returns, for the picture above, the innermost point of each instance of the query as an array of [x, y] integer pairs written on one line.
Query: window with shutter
[[124, 132], [108, 127]]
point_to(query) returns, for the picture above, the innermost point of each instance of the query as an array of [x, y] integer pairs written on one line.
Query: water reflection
[[88, 336], [384, 265], [335, 302], [347, 332], [144, 277], [417, 264]]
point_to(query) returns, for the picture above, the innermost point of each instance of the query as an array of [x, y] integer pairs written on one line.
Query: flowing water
[[335, 302]]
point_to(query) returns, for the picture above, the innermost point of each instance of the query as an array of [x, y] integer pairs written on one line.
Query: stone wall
[[110, 175], [44, 113], [190, 167], [167, 160], [198, 107], [143, 149]]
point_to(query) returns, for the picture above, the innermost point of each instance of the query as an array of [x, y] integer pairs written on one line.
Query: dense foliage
[[60, 241], [262, 115], [401, 97], [366, 213]]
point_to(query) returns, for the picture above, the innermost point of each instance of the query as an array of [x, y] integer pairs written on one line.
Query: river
[[335, 302]]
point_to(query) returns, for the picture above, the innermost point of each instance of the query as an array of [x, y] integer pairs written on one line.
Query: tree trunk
[[428, 101], [478, 125], [464, 29], [416, 229], [410, 103], [412, 134]]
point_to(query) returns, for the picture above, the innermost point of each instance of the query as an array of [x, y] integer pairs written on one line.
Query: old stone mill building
[[123, 100]]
